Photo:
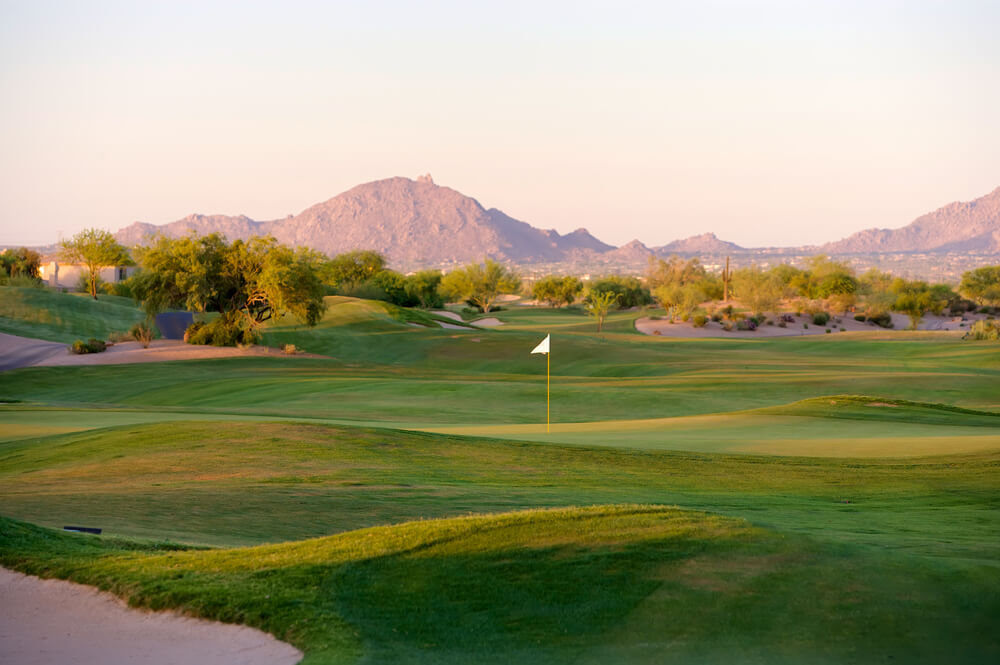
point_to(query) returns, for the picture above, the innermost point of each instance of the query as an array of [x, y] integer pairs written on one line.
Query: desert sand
[[26, 352], [799, 327], [52, 622]]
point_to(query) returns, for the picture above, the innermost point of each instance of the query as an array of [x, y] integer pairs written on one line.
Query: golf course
[[394, 494]]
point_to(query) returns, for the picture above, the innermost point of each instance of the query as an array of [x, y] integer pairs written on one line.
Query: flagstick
[[548, 367]]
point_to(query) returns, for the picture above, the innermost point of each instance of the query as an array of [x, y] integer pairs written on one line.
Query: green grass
[[836, 496], [64, 317], [630, 584]]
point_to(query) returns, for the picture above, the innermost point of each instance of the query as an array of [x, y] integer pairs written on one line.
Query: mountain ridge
[[417, 223]]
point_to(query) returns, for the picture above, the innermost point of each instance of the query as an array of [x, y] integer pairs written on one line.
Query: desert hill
[[957, 227]]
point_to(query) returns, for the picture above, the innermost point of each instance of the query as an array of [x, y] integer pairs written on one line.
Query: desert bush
[[220, 332], [787, 318], [820, 318], [92, 345], [717, 317], [984, 330], [860, 317], [290, 349], [699, 321], [828, 331], [746, 324], [882, 319], [23, 281], [143, 333], [728, 326]]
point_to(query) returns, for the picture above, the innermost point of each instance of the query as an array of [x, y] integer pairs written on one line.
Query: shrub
[[984, 330], [821, 318], [25, 282], [728, 326], [290, 349], [828, 331], [143, 333], [90, 346], [805, 325], [859, 317], [717, 318], [220, 332], [782, 324], [746, 324], [787, 318], [699, 321], [882, 319]]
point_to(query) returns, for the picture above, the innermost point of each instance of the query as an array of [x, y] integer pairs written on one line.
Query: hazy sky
[[769, 123]]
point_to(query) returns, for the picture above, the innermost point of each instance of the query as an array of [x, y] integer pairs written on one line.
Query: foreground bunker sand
[[52, 621]]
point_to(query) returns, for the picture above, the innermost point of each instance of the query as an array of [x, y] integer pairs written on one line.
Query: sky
[[767, 123]]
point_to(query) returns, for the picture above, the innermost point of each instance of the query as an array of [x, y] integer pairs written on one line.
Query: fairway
[[830, 499]]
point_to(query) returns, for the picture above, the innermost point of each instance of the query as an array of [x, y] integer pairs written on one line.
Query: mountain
[[411, 222], [632, 252], [706, 243], [973, 226]]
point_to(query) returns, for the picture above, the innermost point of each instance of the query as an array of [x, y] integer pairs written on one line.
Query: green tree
[[757, 289], [247, 282], [982, 285], [480, 284], [21, 262], [352, 268], [630, 291], [598, 304], [95, 249], [556, 290], [423, 287]]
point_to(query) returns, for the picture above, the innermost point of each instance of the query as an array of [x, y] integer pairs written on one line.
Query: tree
[[757, 289], [982, 285], [557, 291], [480, 284], [21, 262], [95, 249], [914, 304], [247, 282], [630, 291], [598, 304], [423, 287], [352, 268]]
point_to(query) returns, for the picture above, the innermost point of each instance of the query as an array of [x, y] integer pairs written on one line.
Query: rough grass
[[628, 584], [785, 559], [64, 317]]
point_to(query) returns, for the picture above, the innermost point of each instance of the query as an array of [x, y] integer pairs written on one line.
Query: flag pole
[[548, 367]]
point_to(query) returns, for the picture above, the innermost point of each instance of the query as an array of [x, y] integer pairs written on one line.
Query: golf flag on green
[[543, 347]]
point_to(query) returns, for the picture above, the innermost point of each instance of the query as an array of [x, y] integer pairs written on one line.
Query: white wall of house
[[68, 275]]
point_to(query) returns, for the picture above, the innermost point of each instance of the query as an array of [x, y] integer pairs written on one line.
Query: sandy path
[[23, 351], [52, 622], [26, 352]]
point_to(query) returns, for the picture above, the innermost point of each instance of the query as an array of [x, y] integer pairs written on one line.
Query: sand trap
[[490, 322], [448, 315], [54, 622]]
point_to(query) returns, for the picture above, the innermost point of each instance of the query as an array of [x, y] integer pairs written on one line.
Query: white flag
[[543, 346]]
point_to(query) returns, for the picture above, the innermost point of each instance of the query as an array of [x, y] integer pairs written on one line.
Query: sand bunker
[[52, 621]]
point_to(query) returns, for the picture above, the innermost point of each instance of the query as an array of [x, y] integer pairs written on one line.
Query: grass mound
[[865, 407], [64, 317], [626, 584]]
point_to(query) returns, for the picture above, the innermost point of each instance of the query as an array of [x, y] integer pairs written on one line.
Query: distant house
[[62, 275]]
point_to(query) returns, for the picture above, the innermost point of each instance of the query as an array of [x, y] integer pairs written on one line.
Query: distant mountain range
[[416, 223]]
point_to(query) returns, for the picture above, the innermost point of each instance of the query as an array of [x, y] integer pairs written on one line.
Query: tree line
[[251, 282]]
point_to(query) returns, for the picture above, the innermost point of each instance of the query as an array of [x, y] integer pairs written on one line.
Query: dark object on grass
[[173, 324], [82, 529]]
